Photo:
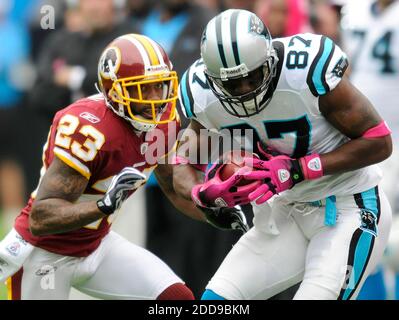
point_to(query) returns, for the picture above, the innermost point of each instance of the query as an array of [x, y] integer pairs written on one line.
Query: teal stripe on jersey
[[210, 295], [318, 77], [183, 92]]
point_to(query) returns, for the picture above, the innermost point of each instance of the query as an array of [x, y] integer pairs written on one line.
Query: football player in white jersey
[[370, 34], [320, 217]]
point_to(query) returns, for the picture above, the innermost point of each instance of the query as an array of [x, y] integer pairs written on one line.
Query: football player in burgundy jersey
[[99, 151]]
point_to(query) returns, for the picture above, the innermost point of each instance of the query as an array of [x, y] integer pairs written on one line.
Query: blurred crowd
[[48, 59]]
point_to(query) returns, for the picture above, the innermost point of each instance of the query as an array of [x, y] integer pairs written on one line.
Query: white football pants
[[290, 243], [118, 269]]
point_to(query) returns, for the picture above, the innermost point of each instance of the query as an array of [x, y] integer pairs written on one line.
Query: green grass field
[[3, 288], [3, 292]]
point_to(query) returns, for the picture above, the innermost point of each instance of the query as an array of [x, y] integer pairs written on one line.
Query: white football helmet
[[237, 47]]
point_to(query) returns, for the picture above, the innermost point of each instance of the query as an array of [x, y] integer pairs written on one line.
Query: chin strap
[[97, 88]]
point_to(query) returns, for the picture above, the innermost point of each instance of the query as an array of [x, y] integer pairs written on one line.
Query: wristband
[[311, 167]]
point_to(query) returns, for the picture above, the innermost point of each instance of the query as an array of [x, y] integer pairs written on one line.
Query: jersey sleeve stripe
[[9, 288], [72, 162], [326, 64], [186, 96], [317, 73]]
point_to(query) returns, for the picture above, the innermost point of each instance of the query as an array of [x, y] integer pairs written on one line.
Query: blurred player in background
[[317, 136], [100, 150], [370, 34], [13, 87]]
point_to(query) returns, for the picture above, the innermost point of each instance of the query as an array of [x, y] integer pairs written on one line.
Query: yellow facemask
[[120, 95]]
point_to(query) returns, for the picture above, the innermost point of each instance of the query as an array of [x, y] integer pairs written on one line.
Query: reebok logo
[[89, 117], [242, 69]]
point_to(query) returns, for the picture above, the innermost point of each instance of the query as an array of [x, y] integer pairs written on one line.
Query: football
[[234, 160]]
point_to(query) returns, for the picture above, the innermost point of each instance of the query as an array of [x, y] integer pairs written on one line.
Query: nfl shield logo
[[13, 248]]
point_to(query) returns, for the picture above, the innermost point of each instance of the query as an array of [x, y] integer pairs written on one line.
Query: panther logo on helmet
[[257, 26]]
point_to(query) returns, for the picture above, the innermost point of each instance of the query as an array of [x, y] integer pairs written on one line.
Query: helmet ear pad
[[115, 100]]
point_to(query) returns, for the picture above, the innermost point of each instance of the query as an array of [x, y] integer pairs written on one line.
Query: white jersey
[[372, 43], [309, 66]]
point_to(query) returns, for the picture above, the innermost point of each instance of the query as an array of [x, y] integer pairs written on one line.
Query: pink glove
[[310, 165], [217, 193], [280, 173]]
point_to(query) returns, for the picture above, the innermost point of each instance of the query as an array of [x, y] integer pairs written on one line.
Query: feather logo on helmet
[[110, 62]]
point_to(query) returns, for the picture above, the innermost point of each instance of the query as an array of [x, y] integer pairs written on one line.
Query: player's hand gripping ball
[[224, 185]]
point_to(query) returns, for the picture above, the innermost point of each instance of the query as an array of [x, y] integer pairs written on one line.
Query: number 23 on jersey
[[86, 151]]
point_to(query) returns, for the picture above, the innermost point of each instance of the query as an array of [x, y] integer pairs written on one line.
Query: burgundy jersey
[[93, 140]]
